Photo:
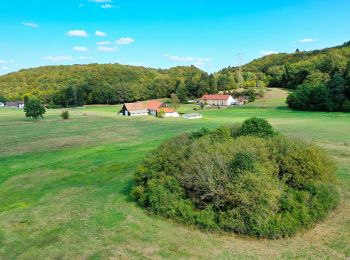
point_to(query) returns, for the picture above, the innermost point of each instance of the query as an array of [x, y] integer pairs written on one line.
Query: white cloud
[[101, 1], [77, 33], [186, 59], [107, 6], [6, 61], [80, 48], [125, 40], [100, 34], [197, 61], [104, 43], [30, 24], [4, 68], [107, 49], [308, 40], [265, 53], [58, 58], [85, 58]]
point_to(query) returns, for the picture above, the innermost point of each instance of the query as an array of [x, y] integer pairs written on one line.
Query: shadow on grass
[[126, 191]]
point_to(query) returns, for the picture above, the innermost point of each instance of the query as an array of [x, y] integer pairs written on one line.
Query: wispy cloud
[[77, 33], [108, 6], [101, 1], [125, 40], [6, 61], [81, 5], [265, 53], [186, 59], [4, 68], [197, 61], [58, 58], [308, 40], [31, 24], [107, 49], [104, 43], [80, 48], [105, 4], [100, 34]]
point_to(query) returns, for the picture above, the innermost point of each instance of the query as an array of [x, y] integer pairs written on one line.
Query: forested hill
[[291, 70], [101, 83], [115, 83]]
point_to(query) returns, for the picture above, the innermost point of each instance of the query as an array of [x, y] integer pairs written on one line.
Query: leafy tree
[[69, 95], [3, 99], [182, 92], [337, 87], [174, 101], [213, 85], [34, 108]]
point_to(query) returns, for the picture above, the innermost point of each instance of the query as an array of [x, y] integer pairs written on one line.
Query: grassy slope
[[64, 187]]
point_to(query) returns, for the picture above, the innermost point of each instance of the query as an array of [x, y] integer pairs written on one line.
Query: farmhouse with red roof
[[152, 106], [147, 108], [218, 100]]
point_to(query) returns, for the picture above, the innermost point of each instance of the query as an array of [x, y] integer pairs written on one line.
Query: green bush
[[65, 115], [265, 187], [256, 127], [161, 114]]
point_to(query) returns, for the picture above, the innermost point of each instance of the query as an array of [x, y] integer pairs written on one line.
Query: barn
[[134, 109]]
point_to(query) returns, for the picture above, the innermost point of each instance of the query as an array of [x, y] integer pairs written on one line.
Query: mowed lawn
[[64, 187]]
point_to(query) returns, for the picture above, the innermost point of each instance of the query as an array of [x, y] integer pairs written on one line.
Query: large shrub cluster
[[256, 184]]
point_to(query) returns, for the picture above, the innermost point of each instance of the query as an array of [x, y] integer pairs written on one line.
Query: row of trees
[[115, 83], [105, 84]]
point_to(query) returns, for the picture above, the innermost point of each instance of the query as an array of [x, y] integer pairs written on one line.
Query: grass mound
[[245, 179]]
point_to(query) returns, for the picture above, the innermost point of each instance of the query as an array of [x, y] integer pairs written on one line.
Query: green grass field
[[64, 187]]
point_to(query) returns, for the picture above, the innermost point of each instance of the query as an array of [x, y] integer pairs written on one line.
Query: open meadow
[[64, 186]]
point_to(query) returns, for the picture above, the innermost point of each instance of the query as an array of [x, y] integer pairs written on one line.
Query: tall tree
[[69, 95], [213, 85], [34, 108], [182, 92], [174, 101]]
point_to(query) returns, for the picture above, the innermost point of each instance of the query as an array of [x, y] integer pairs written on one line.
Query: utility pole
[[240, 72]]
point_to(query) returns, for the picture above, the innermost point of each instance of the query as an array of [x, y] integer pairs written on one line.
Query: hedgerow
[[261, 184]]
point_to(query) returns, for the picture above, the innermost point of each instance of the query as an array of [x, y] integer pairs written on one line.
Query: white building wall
[[174, 114]]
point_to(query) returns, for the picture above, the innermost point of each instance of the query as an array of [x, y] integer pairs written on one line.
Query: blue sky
[[161, 34]]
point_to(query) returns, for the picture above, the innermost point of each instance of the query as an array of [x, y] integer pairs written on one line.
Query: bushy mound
[[270, 186]]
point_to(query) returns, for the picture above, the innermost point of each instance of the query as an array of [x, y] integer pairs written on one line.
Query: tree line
[[105, 84], [321, 78], [114, 83]]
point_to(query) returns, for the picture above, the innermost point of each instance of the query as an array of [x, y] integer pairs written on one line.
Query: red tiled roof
[[215, 97], [135, 106], [166, 110], [154, 104]]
